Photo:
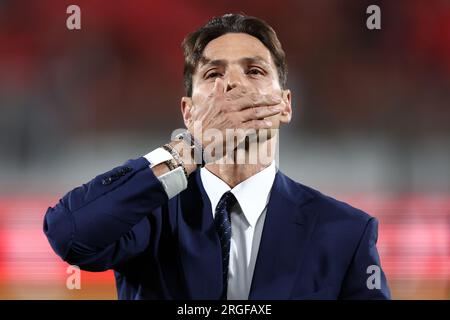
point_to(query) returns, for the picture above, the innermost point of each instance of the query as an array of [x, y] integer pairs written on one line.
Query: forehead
[[235, 46]]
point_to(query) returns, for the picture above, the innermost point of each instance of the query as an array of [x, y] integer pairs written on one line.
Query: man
[[207, 217]]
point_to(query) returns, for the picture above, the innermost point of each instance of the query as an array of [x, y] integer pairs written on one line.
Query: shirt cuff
[[173, 181], [158, 156]]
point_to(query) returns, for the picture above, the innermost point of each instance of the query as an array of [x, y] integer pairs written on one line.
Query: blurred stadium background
[[371, 119]]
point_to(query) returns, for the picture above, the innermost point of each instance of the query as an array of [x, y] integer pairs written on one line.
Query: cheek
[[267, 85], [201, 92]]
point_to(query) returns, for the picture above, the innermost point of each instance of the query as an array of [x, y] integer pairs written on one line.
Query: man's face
[[240, 60]]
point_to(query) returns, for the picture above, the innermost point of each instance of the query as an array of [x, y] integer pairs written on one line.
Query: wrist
[[195, 146], [185, 154]]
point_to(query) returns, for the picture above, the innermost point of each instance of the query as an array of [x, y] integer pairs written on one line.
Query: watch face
[[180, 136]]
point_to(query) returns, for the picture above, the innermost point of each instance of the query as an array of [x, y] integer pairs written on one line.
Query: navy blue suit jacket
[[312, 246]]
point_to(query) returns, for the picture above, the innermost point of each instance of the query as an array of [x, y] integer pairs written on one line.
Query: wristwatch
[[194, 144]]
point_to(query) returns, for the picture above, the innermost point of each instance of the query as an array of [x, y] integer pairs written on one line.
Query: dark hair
[[194, 44]]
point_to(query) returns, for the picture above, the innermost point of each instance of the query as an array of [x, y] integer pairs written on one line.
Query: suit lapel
[[285, 235], [199, 243]]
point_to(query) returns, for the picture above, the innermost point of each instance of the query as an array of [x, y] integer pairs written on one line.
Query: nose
[[234, 79]]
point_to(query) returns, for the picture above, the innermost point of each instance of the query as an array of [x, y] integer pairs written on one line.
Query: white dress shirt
[[247, 218], [247, 221]]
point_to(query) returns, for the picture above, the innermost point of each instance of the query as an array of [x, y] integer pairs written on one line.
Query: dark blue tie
[[223, 226]]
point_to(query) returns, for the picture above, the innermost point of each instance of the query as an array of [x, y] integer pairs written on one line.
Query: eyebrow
[[204, 61]]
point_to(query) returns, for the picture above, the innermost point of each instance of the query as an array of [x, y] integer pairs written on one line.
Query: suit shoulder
[[328, 206]]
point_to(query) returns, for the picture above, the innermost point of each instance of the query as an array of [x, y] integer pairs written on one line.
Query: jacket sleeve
[[102, 223], [365, 278]]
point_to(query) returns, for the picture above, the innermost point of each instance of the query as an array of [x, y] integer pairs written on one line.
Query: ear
[[286, 114], [186, 108]]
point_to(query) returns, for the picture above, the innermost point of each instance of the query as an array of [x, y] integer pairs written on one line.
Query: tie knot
[[227, 201]]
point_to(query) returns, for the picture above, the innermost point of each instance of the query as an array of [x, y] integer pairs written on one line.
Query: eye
[[212, 75], [255, 71]]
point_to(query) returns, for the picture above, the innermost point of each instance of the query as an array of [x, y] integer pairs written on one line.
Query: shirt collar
[[259, 184]]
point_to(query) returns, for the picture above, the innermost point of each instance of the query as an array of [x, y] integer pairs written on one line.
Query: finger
[[257, 124], [255, 100], [219, 87], [237, 92], [259, 112]]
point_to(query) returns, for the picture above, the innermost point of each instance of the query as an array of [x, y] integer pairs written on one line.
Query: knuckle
[[233, 122], [254, 97], [252, 123], [222, 107], [268, 97]]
